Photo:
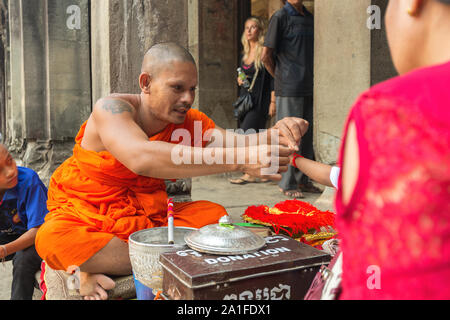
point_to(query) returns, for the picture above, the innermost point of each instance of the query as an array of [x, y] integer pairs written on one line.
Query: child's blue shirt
[[25, 206]]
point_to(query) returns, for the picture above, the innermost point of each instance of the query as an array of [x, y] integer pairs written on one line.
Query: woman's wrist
[[294, 159], [4, 251]]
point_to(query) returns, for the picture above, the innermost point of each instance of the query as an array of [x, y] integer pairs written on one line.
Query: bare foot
[[94, 286], [293, 194]]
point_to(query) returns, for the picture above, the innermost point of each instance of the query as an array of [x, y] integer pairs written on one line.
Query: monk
[[113, 185]]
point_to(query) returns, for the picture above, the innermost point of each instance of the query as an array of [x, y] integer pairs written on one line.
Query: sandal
[[241, 181], [293, 194]]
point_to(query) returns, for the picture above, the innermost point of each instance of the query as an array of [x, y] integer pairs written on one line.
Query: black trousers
[[301, 107], [25, 265]]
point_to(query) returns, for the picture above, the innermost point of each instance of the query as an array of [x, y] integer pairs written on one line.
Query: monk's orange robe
[[92, 198]]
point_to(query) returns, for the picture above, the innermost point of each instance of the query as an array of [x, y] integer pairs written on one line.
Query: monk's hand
[[290, 132], [267, 161]]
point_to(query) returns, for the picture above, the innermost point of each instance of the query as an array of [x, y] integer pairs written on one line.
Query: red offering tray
[[294, 217]]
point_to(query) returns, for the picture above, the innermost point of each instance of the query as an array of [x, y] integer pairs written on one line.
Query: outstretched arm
[[287, 132], [319, 172], [121, 136]]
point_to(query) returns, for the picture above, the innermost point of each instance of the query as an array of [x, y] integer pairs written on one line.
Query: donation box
[[281, 270]]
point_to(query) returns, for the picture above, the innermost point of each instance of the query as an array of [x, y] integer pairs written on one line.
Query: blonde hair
[[260, 43]]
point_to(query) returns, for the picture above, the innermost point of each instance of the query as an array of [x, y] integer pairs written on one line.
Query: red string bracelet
[[295, 158]]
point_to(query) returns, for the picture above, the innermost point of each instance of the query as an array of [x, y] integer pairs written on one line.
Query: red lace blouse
[[395, 230]]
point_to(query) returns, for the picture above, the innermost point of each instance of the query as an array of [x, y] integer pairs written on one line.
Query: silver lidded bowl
[[145, 246], [224, 238]]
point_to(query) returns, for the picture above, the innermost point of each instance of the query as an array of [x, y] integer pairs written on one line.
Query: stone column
[[50, 80], [214, 42], [4, 48], [349, 58], [14, 116], [123, 31], [351, 55], [342, 69], [100, 49]]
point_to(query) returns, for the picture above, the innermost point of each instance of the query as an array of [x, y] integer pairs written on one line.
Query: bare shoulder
[[105, 110], [116, 104]]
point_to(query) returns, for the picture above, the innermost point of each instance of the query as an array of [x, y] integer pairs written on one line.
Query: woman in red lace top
[[393, 201]]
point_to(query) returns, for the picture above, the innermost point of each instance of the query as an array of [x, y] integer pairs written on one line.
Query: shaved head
[[161, 55], [168, 82]]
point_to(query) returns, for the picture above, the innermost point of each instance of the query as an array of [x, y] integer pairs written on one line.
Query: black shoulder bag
[[244, 103]]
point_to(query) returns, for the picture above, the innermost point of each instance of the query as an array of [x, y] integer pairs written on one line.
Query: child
[[23, 206], [319, 172]]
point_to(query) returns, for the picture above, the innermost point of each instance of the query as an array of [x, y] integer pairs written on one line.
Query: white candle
[[170, 221]]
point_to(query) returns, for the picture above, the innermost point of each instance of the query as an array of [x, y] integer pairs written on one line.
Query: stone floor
[[235, 198]]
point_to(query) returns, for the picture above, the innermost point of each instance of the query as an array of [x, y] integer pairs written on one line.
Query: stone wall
[[123, 31], [57, 67], [4, 41], [349, 58], [51, 53], [213, 40], [50, 85]]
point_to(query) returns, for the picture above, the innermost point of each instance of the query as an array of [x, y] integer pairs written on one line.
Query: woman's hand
[[273, 105], [272, 109], [240, 82]]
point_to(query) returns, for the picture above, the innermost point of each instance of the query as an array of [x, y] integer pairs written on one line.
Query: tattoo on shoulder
[[116, 107]]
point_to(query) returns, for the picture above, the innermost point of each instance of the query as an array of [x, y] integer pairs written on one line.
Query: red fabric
[[398, 218], [42, 284], [298, 216]]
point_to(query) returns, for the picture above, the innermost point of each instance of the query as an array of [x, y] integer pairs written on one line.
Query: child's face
[[8, 170]]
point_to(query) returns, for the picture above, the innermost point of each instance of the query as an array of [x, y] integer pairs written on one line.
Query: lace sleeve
[[400, 220]]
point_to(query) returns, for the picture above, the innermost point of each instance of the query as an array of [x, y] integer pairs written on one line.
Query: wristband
[[295, 158]]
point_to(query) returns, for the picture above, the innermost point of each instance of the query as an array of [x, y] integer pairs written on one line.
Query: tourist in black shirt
[[289, 56]]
